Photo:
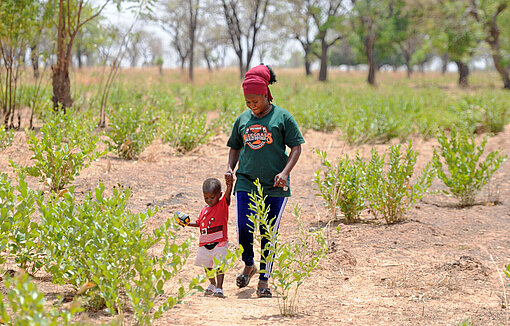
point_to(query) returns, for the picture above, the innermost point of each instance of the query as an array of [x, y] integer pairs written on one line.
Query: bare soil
[[441, 266]]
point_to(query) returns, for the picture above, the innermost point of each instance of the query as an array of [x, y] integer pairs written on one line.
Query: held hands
[[229, 178]]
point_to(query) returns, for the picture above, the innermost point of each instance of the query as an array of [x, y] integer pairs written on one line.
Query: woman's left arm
[[280, 180]]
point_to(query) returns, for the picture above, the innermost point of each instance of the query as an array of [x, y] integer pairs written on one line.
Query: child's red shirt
[[212, 222]]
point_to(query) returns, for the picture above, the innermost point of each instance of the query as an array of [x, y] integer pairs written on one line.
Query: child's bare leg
[[212, 279], [219, 280]]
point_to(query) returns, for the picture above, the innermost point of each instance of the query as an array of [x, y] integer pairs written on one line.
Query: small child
[[212, 221]]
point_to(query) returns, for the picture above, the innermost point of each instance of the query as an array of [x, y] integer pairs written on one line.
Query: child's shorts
[[205, 257]]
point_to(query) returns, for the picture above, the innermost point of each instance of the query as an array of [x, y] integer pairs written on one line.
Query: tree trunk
[[78, 57], [60, 71], [496, 58], [308, 69], [34, 57], [409, 67], [369, 51], [207, 61], [242, 68], [323, 72], [463, 73], [191, 62], [61, 87], [444, 65]]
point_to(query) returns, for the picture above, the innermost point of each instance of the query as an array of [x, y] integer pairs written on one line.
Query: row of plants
[[97, 245], [94, 244], [361, 115], [387, 186]]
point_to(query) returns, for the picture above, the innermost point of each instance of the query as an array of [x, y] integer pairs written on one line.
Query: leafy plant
[[131, 132], [66, 146], [293, 261], [19, 233], [342, 185], [99, 244], [25, 305], [187, 131], [466, 322], [6, 137], [464, 173], [391, 194]]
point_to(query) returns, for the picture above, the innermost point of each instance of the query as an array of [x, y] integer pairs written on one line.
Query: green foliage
[[186, 132], [102, 245], [507, 272], [66, 146], [6, 137], [466, 322], [25, 305], [352, 183], [20, 21], [342, 185], [19, 234], [131, 132], [369, 125], [390, 192], [293, 261], [464, 172], [318, 117], [486, 116]]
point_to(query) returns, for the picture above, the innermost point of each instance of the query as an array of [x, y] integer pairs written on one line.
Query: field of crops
[[87, 212]]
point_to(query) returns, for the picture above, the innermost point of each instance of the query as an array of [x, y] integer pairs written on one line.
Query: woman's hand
[[280, 180], [229, 178]]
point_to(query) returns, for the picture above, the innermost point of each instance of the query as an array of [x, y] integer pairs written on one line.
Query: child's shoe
[[218, 293], [210, 290]]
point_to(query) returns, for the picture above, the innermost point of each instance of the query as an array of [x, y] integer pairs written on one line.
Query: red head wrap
[[256, 81]]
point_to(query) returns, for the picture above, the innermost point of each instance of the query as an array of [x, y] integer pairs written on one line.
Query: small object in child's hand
[[182, 218]]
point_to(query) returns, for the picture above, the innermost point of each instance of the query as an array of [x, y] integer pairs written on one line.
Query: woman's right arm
[[233, 158]]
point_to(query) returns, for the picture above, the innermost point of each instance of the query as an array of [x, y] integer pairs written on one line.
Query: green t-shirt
[[262, 143]]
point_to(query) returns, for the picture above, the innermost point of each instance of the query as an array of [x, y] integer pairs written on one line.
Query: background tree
[[244, 19], [180, 20], [490, 14], [298, 19], [328, 19], [342, 54], [18, 23], [372, 21], [454, 31], [71, 17], [88, 40], [409, 33], [134, 46]]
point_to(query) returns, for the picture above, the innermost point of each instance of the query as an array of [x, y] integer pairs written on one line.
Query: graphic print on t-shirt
[[256, 136]]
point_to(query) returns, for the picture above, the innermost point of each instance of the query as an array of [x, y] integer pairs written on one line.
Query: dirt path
[[440, 267]]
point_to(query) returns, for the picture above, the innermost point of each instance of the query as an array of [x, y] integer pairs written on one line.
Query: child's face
[[258, 104], [212, 198]]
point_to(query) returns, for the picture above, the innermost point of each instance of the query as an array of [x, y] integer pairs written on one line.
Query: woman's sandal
[[242, 280], [264, 291]]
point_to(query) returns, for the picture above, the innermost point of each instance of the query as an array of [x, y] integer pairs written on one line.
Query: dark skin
[[211, 199], [260, 107]]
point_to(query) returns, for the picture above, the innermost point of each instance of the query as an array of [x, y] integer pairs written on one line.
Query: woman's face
[[258, 104]]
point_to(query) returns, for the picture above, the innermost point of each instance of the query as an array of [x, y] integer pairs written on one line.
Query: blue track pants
[[245, 229]]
